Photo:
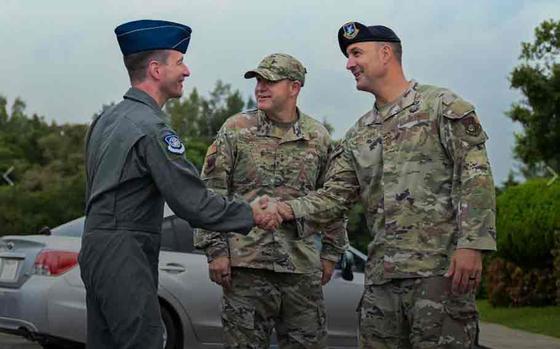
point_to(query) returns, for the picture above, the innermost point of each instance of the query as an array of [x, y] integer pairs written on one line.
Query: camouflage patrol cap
[[279, 66], [353, 32]]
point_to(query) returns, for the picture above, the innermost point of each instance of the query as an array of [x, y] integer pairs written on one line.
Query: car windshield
[[73, 228]]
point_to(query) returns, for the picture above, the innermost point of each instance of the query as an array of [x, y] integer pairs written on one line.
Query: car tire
[[172, 340], [62, 346]]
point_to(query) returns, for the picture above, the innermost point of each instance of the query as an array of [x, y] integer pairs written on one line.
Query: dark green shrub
[[556, 265], [527, 217]]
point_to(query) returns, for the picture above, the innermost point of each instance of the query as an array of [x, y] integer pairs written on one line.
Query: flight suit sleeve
[[179, 182], [473, 191], [337, 195], [216, 173]]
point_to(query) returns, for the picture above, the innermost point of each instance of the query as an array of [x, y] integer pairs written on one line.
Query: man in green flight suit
[[418, 165], [135, 162]]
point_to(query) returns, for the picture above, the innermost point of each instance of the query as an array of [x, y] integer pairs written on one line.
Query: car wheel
[[170, 332]]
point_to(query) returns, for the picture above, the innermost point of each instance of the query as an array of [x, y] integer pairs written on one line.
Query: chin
[[362, 86], [177, 94]]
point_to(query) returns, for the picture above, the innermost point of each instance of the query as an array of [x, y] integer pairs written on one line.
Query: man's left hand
[[328, 268], [466, 270]]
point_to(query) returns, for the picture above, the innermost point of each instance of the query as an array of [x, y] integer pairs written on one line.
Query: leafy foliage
[[538, 79], [48, 171], [508, 284], [526, 268], [197, 119], [526, 222], [48, 159]]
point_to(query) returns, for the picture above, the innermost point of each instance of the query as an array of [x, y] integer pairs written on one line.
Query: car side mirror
[[346, 265], [44, 231]]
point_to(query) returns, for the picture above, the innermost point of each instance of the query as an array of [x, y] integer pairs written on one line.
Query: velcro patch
[[174, 144], [457, 108], [211, 158]]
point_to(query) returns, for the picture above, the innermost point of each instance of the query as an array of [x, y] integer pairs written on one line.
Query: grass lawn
[[543, 320]]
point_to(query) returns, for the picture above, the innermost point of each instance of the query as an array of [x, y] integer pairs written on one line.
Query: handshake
[[269, 213]]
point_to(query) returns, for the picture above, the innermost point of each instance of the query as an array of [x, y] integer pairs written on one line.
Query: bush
[[526, 268], [507, 284], [556, 265], [527, 217]]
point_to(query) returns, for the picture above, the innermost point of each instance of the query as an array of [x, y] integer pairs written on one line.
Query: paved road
[[491, 335], [12, 342], [501, 337]]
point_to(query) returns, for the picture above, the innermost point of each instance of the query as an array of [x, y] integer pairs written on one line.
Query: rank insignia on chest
[[174, 144], [350, 30]]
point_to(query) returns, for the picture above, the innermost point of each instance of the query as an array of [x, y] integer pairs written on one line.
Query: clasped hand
[[269, 213]]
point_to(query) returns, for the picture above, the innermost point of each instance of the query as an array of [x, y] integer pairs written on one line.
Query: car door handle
[[173, 268]]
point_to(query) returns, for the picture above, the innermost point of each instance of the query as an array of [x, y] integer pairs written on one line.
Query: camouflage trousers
[[261, 300], [416, 313]]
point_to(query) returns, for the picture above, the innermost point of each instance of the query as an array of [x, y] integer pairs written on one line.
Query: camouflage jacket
[[419, 167], [251, 157]]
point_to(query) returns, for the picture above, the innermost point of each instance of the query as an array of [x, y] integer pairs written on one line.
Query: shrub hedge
[[527, 217], [526, 268]]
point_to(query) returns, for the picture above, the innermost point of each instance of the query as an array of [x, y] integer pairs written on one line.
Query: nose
[[187, 71], [350, 63], [261, 85]]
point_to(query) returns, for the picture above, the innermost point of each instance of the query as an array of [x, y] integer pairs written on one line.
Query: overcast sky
[[62, 58]]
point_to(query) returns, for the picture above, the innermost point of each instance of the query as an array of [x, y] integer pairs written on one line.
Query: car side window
[[74, 228], [183, 235], [168, 240]]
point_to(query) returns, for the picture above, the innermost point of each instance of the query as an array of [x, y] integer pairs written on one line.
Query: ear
[[387, 53], [295, 88], [154, 70]]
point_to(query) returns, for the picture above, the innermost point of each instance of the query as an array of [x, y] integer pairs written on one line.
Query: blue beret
[[353, 32], [147, 35]]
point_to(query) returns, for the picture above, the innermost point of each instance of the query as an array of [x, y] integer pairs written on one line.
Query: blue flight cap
[[147, 35]]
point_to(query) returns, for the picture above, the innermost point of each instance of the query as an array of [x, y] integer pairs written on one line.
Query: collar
[[266, 128], [138, 95], [407, 99]]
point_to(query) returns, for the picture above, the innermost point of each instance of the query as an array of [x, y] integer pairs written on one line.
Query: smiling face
[[173, 72], [367, 63], [273, 96]]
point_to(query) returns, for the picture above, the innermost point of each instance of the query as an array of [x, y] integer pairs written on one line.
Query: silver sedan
[[42, 296]]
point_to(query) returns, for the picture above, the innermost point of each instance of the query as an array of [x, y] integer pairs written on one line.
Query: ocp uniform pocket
[[461, 320]]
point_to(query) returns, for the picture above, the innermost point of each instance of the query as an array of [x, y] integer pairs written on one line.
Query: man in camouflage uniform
[[418, 165], [272, 280]]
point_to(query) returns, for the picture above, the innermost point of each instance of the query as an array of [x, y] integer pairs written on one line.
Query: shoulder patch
[[212, 149], [472, 126], [174, 144], [240, 120], [210, 158]]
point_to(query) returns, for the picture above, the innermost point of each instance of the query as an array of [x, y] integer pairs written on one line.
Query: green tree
[[197, 119], [48, 171], [538, 79]]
